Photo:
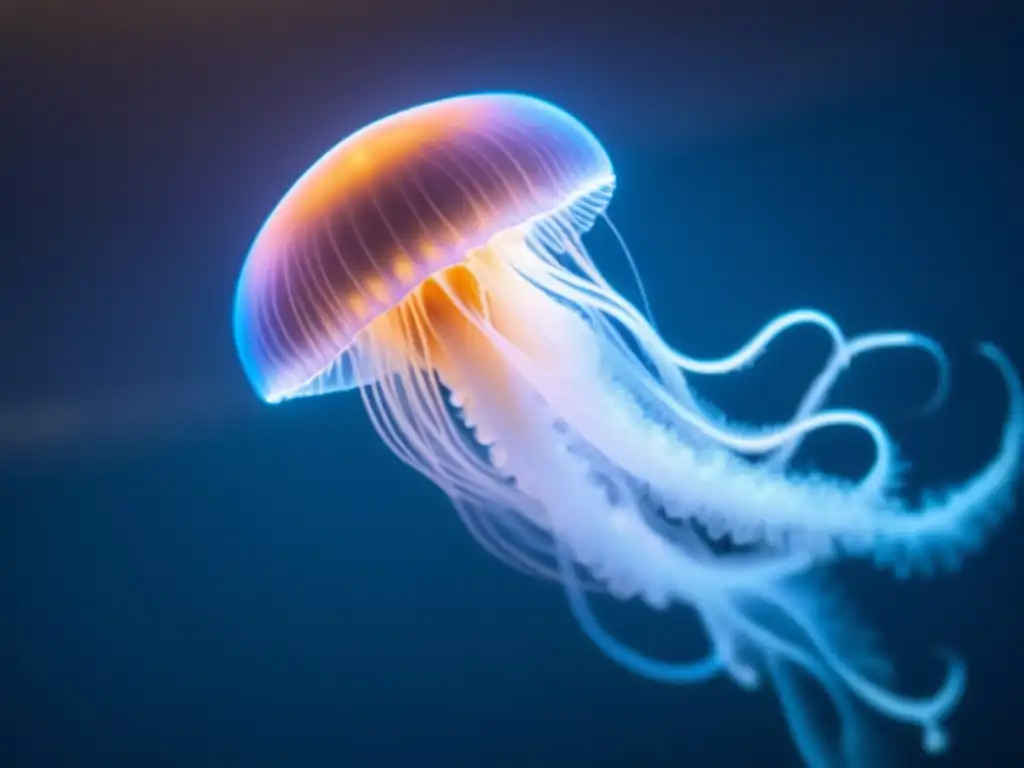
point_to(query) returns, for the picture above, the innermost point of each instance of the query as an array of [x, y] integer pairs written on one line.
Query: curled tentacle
[[927, 712], [697, 671], [841, 359]]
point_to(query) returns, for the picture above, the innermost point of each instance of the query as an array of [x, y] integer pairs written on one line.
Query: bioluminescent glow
[[434, 260]]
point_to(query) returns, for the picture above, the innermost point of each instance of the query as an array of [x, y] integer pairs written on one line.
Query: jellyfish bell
[[438, 186], [434, 260]]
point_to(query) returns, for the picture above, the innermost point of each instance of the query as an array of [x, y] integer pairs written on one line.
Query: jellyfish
[[434, 262]]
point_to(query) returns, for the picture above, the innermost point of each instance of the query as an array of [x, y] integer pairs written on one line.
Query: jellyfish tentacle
[[945, 529], [823, 659], [841, 359], [748, 353], [507, 535], [700, 670], [633, 268], [927, 712], [605, 299], [782, 441], [498, 543], [748, 568], [798, 714], [751, 503], [857, 746], [707, 591]]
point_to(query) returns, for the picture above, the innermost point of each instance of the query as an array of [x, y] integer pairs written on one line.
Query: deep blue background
[[187, 579]]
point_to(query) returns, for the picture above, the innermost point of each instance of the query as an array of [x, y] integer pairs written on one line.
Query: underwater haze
[[193, 578]]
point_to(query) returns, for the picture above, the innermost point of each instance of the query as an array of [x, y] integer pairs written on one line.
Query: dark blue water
[[191, 580]]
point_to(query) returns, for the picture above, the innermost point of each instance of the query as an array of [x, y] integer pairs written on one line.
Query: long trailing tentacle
[[639, 663], [927, 712]]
